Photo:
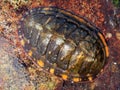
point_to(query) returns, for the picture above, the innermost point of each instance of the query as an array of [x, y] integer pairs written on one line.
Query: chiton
[[63, 44]]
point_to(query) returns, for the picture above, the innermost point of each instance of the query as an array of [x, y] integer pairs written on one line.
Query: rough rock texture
[[12, 73]]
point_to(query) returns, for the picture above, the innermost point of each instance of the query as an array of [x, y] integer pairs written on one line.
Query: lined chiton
[[62, 43]]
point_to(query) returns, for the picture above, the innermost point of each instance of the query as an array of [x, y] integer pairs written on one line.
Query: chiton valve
[[63, 44]]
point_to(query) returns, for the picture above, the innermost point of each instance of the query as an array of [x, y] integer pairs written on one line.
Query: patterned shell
[[63, 44]]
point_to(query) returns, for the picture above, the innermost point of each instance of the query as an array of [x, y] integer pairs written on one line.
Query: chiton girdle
[[63, 44]]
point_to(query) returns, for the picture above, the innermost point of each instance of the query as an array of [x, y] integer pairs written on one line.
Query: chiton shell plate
[[63, 44]]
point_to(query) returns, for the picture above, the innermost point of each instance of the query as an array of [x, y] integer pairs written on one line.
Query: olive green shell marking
[[63, 44]]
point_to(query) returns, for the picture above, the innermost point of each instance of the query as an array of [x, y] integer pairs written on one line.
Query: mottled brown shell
[[63, 44]]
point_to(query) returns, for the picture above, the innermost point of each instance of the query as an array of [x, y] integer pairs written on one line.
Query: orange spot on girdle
[[30, 53], [40, 63], [90, 79], [52, 71], [64, 77], [76, 79]]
